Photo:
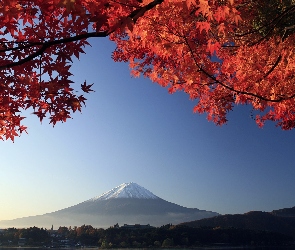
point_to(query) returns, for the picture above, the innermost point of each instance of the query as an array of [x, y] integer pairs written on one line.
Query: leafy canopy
[[220, 52]]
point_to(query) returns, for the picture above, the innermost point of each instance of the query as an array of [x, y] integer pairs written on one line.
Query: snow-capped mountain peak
[[127, 190]]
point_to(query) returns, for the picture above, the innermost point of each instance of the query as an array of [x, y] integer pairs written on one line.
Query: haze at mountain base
[[128, 203]]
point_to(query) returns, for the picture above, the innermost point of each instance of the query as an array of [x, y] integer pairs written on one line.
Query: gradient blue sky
[[133, 130]]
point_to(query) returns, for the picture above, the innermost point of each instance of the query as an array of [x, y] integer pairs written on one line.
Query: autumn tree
[[220, 52]]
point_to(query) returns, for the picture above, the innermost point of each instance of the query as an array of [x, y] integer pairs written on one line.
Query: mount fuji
[[128, 203]]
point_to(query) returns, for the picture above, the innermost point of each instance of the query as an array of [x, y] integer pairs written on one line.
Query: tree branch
[[48, 44], [235, 90], [270, 25], [134, 15]]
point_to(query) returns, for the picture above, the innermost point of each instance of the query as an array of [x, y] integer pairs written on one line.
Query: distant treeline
[[165, 236]]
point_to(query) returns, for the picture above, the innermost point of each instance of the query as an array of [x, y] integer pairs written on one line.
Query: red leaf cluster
[[220, 52]]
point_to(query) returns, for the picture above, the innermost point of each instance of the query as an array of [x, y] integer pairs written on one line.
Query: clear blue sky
[[133, 130]]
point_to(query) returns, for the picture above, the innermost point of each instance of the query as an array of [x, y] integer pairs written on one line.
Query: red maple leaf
[[86, 88]]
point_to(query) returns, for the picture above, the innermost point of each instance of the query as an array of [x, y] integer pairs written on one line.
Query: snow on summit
[[127, 190]]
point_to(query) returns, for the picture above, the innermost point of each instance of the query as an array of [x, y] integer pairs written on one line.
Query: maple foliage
[[220, 52]]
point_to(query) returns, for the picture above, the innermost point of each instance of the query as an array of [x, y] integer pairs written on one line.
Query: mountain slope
[[285, 212], [254, 220], [127, 190], [128, 203]]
